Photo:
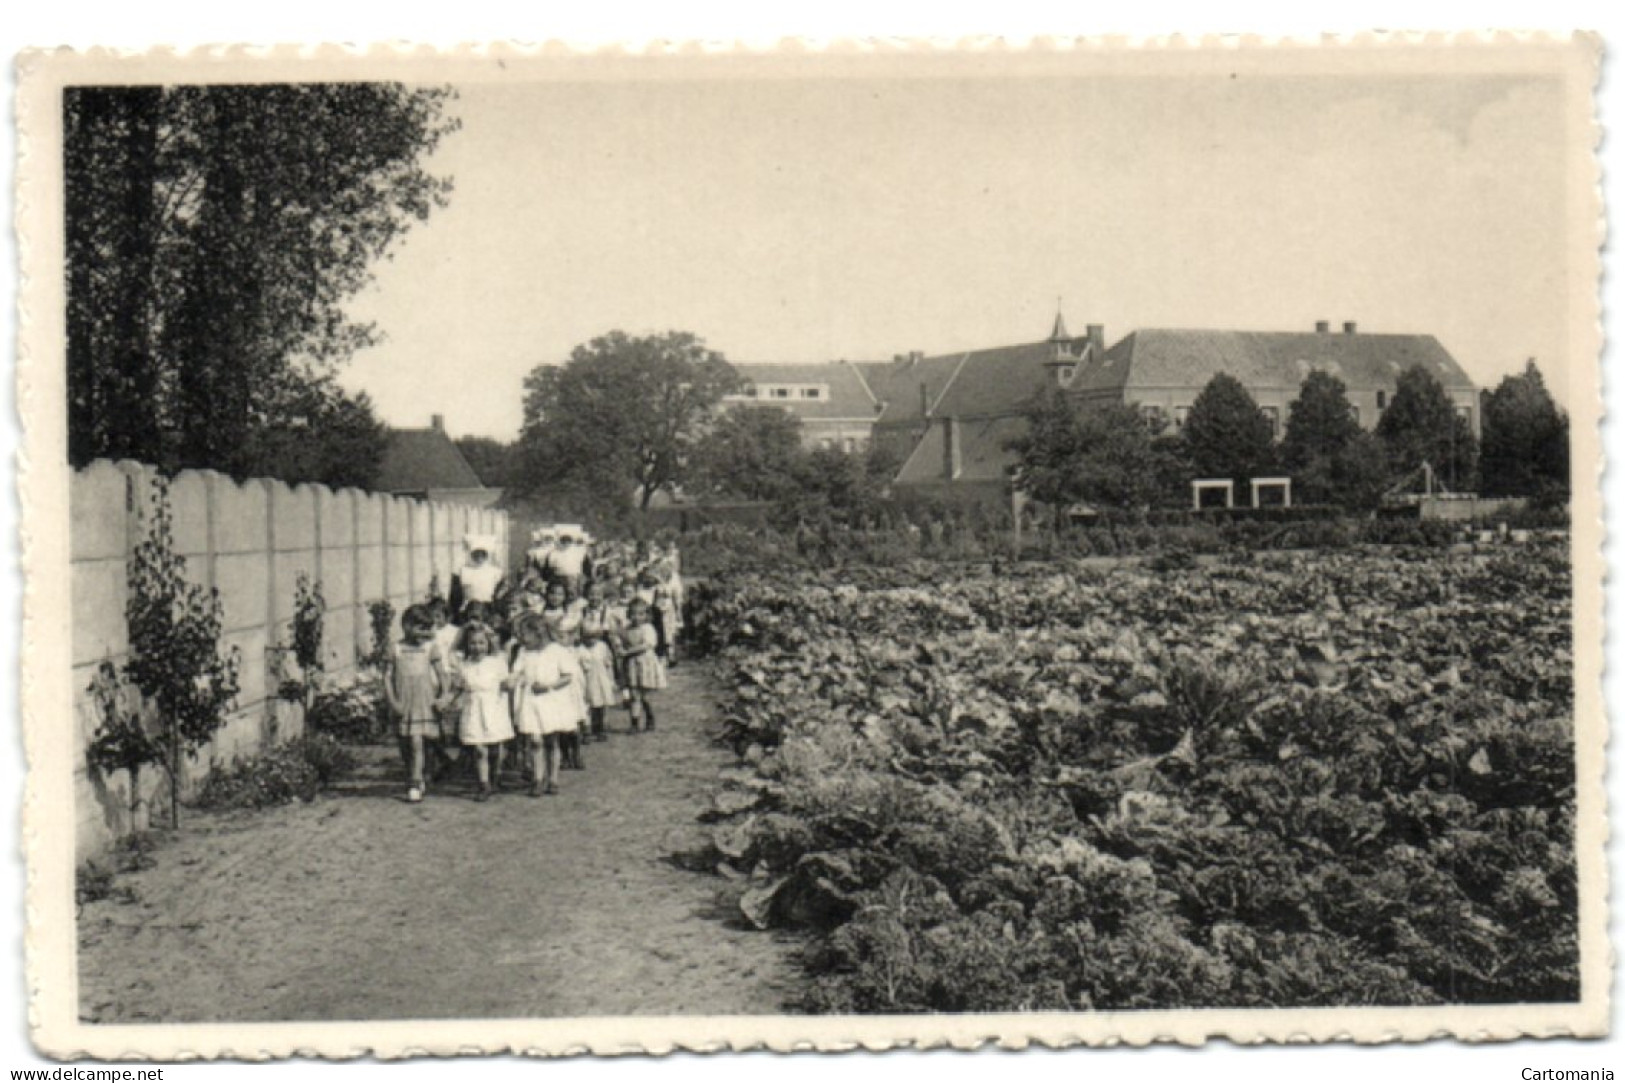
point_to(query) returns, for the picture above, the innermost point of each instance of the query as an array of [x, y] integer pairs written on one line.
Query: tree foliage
[[498, 463], [316, 432], [1106, 455], [1525, 450], [1226, 432], [214, 234], [1421, 425], [1321, 430], [751, 453], [1320, 422], [622, 417]]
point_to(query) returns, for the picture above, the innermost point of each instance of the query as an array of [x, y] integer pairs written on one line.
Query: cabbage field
[[1338, 778]]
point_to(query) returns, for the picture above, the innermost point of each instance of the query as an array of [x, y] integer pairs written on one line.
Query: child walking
[[444, 751], [544, 709], [483, 680], [600, 639], [644, 671], [412, 686], [568, 634]]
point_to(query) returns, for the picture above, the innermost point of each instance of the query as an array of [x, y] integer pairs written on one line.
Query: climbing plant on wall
[[185, 682]]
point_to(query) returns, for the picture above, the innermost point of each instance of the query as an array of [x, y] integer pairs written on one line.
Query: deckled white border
[[48, 813]]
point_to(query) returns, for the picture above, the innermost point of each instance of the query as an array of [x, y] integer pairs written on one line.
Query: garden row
[[1289, 779], [971, 535]]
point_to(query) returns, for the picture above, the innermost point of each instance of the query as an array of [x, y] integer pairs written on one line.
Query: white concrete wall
[[249, 541]]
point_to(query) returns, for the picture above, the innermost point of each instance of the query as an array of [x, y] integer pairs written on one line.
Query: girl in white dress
[[482, 680], [645, 673], [544, 704], [600, 638], [567, 632]]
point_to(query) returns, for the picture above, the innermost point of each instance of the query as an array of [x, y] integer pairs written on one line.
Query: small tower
[[1063, 361]]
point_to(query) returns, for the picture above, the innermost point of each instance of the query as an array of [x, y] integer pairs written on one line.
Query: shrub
[[353, 715], [176, 672], [296, 770], [94, 882], [381, 616]]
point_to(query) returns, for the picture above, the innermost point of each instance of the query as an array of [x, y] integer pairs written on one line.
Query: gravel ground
[[360, 906]]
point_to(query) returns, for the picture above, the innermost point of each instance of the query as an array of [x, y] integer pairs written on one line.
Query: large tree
[[1421, 425], [313, 431], [1525, 448], [1320, 427], [499, 464], [752, 453], [622, 416], [1228, 436], [214, 235], [1104, 455]]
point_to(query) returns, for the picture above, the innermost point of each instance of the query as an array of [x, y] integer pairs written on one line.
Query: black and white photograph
[[1077, 545]]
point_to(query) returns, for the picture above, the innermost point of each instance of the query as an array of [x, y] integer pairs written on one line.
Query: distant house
[[426, 463], [1164, 370], [833, 401], [968, 407]]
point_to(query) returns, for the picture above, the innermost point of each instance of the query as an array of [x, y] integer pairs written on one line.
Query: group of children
[[522, 677]]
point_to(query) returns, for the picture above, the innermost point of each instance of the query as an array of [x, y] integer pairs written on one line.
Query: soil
[[361, 906]]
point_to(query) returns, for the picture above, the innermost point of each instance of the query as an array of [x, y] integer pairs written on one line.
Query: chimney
[[1097, 339], [925, 402], [1323, 327], [1350, 327], [437, 422], [950, 448], [915, 357]]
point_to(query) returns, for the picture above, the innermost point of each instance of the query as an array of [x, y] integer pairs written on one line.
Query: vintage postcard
[[862, 547]]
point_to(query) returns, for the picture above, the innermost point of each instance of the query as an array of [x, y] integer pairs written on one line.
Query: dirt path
[[359, 906]]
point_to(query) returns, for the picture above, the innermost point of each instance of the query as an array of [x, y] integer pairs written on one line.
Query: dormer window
[[810, 393]]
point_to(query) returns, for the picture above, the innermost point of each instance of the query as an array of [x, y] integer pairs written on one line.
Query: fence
[[250, 541]]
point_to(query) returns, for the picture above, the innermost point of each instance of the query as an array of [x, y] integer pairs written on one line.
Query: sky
[[809, 219], [815, 219]]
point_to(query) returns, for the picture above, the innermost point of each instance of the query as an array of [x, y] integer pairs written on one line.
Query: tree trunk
[[174, 776], [135, 794]]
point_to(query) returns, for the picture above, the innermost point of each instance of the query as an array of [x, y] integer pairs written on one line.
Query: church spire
[[1059, 333]]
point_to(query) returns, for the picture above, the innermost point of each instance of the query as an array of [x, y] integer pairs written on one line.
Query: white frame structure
[[1206, 485], [1284, 484]]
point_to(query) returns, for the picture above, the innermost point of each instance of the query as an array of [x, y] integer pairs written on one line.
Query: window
[[1182, 414], [1466, 414], [1356, 411], [827, 444], [1064, 374], [810, 392], [1273, 413], [780, 392], [850, 445], [1382, 400]]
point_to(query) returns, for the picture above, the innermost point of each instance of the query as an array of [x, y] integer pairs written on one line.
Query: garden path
[[360, 906]]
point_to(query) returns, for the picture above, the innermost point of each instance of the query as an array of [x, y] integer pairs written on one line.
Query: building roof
[[1158, 357], [848, 397], [983, 455], [996, 381], [897, 383], [417, 460]]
